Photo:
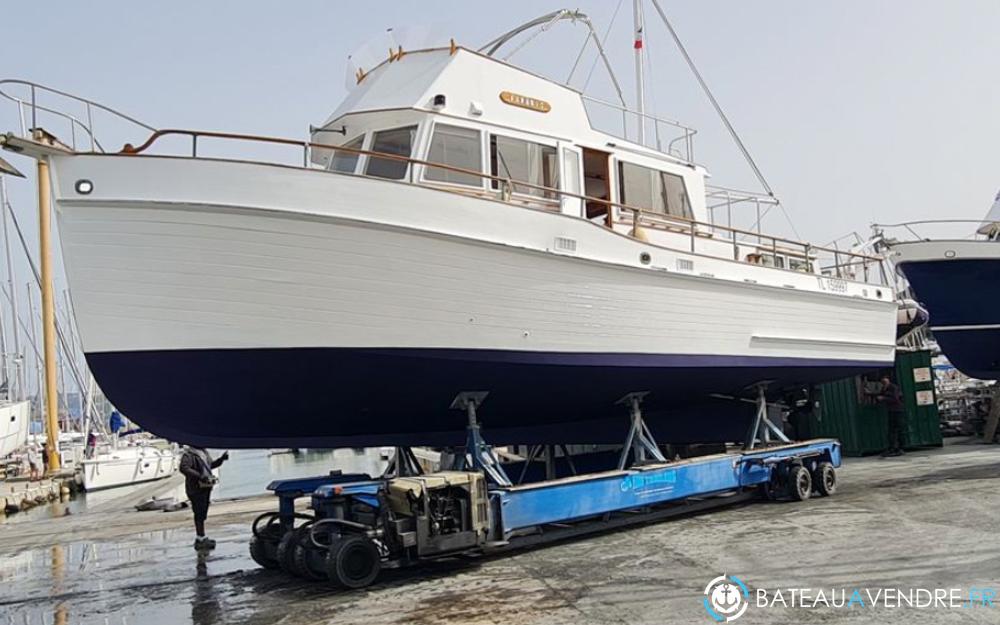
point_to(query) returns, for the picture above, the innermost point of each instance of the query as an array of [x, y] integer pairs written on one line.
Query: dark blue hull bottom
[[326, 397], [962, 293], [976, 353]]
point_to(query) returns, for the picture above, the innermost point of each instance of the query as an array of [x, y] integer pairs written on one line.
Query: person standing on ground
[[891, 397], [197, 466], [34, 463]]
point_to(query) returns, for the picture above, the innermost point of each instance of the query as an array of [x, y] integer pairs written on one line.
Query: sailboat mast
[[19, 359], [48, 313], [640, 96], [4, 354], [38, 358]]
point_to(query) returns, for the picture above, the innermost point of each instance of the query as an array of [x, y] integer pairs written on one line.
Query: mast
[[3, 329], [32, 314], [48, 313], [22, 391], [640, 96]]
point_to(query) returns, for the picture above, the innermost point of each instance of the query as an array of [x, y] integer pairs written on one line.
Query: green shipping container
[[915, 377], [846, 411]]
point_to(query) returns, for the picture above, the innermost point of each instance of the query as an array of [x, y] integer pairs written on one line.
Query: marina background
[[247, 474]]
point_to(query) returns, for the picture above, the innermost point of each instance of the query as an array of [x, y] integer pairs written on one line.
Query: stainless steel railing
[[30, 112], [678, 137], [979, 228]]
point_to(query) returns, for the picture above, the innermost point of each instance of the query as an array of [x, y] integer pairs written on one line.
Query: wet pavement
[[925, 520]]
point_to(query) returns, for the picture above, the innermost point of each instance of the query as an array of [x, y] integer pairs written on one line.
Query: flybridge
[[459, 82]]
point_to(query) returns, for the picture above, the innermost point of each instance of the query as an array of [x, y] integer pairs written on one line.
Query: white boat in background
[[953, 266], [113, 466], [14, 416]]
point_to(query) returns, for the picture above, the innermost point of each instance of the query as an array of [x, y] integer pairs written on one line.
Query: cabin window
[[347, 162], [798, 264], [524, 161], [457, 147], [398, 141], [653, 190], [770, 260]]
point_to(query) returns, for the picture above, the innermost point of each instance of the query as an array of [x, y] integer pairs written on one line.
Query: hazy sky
[[856, 111]]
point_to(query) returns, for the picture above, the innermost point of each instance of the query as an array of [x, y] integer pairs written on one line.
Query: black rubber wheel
[[353, 561], [286, 552], [799, 483], [308, 560], [261, 552], [825, 479], [771, 490]]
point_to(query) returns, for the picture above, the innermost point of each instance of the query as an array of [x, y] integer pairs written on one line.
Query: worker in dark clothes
[[197, 466], [890, 397]]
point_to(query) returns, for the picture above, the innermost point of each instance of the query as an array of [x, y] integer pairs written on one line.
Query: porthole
[[84, 186], [949, 254], [645, 258]]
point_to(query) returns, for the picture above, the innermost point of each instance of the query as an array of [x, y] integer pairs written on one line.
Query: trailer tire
[[799, 483], [771, 490], [353, 561], [286, 552], [309, 560], [260, 552], [825, 479]]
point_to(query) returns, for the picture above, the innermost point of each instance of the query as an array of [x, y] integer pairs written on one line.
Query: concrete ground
[[926, 520]]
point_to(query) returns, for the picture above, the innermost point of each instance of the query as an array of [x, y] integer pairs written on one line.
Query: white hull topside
[[182, 254], [944, 250]]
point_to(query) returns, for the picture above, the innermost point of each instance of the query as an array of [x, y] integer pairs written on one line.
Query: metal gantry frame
[[478, 454], [639, 442], [404, 463], [761, 420], [547, 454]]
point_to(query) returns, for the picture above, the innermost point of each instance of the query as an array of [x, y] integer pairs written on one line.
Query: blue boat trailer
[[567, 499], [356, 525]]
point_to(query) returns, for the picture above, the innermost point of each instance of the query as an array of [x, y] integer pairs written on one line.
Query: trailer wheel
[[308, 560], [353, 561], [286, 552], [771, 490], [825, 479], [799, 483], [261, 552]]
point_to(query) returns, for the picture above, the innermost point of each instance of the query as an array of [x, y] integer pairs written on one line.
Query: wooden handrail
[[308, 145]]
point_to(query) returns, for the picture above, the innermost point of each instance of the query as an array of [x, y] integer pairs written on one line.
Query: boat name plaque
[[523, 101]]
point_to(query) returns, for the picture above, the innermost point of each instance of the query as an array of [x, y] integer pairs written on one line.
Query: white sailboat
[[114, 465], [457, 224], [14, 420]]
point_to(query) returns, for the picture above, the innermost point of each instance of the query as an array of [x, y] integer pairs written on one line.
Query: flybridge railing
[[670, 137], [839, 263], [77, 115]]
